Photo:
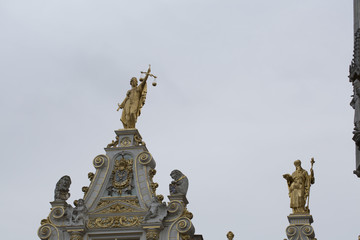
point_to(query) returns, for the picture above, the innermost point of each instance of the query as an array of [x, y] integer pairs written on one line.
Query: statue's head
[[176, 174], [66, 181], [297, 164], [133, 82]]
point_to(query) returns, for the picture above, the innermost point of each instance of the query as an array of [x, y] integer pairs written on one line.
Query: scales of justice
[[135, 99]]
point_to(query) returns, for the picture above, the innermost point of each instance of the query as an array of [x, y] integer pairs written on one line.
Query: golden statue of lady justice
[[134, 100]]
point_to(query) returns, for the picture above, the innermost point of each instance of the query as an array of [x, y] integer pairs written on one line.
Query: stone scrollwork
[[61, 215], [48, 231], [99, 161], [57, 212], [114, 222], [175, 210], [185, 226], [144, 158], [295, 232], [44, 232]]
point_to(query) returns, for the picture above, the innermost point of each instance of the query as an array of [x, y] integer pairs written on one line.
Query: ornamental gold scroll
[[114, 222], [299, 183], [134, 100]]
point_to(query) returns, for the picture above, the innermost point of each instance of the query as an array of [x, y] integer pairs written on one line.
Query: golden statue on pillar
[[299, 187], [134, 100]]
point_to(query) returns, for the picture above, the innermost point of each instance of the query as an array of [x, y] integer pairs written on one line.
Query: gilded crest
[[121, 177]]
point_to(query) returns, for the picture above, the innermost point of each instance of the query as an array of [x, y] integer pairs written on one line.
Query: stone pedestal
[[128, 138], [179, 197], [300, 227], [59, 203]]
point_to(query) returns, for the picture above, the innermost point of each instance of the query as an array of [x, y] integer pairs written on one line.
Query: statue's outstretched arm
[[122, 105]]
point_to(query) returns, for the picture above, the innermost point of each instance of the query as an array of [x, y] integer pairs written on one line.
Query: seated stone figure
[[180, 184], [157, 211], [78, 213], [62, 189]]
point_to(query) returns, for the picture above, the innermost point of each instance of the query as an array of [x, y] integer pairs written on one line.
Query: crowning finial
[[230, 235], [135, 100]]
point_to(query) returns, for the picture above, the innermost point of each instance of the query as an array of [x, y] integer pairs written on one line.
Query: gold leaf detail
[[114, 222]]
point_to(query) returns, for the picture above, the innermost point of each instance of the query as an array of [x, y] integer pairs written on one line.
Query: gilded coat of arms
[[121, 178]]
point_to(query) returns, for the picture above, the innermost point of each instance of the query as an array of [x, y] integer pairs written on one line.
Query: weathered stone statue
[[180, 184], [134, 101], [62, 189], [299, 187], [78, 213], [157, 211]]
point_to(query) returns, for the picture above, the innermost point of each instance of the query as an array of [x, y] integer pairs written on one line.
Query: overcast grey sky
[[244, 88]]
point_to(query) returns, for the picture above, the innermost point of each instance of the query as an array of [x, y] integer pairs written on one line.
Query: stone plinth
[[300, 227], [179, 197], [59, 203]]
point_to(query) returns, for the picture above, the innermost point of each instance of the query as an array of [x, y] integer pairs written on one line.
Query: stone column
[[300, 227]]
